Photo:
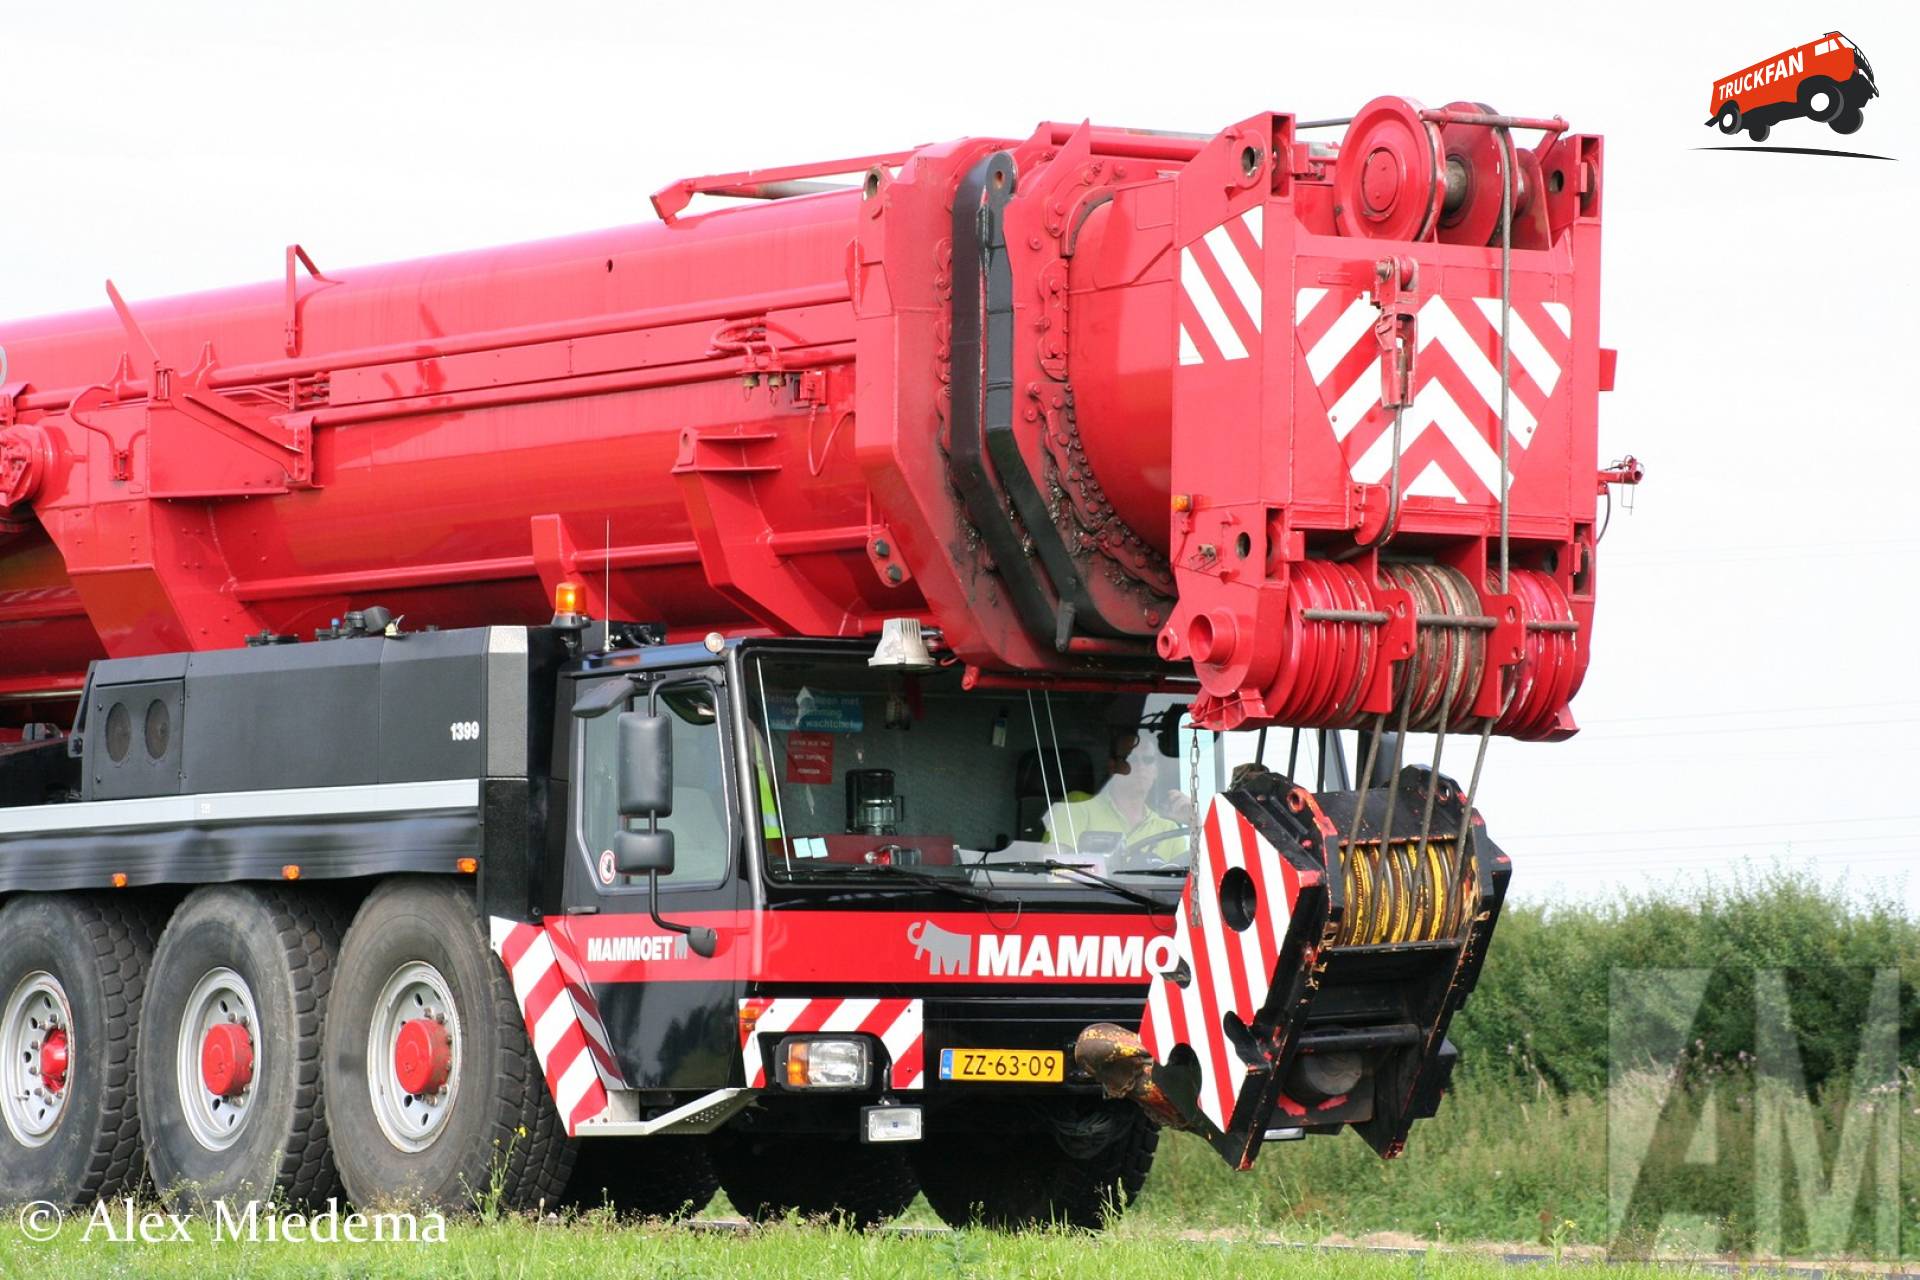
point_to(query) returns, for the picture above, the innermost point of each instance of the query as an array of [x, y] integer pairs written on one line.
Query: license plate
[[1003, 1066]]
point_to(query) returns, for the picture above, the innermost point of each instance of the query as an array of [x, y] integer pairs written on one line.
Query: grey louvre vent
[[133, 740]]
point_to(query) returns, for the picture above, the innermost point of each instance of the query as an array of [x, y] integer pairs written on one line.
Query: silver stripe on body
[[242, 806]]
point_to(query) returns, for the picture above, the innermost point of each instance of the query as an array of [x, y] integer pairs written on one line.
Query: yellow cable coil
[[1403, 894]]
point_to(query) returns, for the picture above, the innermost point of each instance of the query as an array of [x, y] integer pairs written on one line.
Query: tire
[[488, 1138], [643, 1177], [1729, 118], [1820, 87], [1757, 131], [839, 1179], [86, 959], [256, 965], [1012, 1181], [1848, 121]]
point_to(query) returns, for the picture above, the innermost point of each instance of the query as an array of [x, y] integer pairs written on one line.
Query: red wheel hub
[[53, 1060], [423, 1056], [226, 1060]]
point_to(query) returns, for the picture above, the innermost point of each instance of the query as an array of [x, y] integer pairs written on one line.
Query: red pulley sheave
[[1390, 179]]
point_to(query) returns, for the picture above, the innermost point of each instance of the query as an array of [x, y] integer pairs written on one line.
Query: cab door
[[671, 1014]]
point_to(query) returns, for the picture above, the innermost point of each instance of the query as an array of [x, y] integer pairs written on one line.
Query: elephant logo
[[944, 951]]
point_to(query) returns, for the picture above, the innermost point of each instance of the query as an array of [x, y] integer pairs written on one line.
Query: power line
[[1783, 845], [1711, 826], [1879, 705], [1709, 731]]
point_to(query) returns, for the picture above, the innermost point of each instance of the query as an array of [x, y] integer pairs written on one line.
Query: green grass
[[1497, 1157], [1510, 1161], [597, 1246], [1518, 1153]]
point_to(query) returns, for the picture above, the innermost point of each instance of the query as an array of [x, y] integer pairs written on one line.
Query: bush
[[1519, 1149], [1542, 1001]]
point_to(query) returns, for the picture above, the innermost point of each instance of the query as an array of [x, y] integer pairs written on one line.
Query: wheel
[[72, 973], [1820, 98], [1080, 1176], [816, 1177], [230, 1049], [1848, 120], [643, 1177], [1758, 131], [433, 1092], [1729, 118]]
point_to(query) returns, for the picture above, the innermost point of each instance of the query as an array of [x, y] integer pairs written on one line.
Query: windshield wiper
[[924, 879], [1091, 876]]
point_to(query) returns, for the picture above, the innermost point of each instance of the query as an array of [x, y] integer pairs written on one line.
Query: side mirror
[[645, 767], [639, 853], [1169, 732]]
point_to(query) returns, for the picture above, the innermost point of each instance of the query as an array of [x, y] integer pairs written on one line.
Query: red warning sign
[[810, 758]]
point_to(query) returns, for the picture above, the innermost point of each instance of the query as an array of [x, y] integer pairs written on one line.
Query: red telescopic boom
[[1314, 424]]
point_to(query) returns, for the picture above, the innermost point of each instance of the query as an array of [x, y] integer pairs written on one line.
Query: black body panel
[[682, 1036], [337, 713], [37, 773], [347, 757], [326, 848]]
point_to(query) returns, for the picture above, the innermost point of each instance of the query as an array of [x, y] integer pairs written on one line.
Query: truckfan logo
[[1826, 81]]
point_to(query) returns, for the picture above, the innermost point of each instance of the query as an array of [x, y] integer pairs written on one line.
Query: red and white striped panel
[[1229, 970], [1450, 434], [567, 955], [562, 1019], [898, 1023], [1219, 298]]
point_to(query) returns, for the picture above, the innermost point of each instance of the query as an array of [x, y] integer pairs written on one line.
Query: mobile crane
[[739, 700]]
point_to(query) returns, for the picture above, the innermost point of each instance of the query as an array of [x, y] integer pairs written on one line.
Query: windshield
[[857, 769]]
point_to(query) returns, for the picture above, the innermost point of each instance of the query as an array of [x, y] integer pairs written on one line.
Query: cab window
[[702, 838]]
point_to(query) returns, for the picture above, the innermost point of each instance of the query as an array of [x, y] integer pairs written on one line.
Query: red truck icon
[[1826, 80]]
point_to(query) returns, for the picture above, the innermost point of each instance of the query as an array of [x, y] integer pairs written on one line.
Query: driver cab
[[856, 767]]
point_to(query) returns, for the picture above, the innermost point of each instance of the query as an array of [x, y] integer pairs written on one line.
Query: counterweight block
[[1308, 992]]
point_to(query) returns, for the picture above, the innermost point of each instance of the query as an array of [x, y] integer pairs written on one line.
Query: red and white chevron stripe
[[1228, 970], [563, 1020], [1450, 434], [1219, 298], [898, 1023]]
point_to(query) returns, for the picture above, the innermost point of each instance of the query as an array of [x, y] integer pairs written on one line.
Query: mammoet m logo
[[944, 951], [1013, 955]]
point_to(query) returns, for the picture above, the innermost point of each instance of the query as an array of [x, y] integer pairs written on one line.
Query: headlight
[[891, 1124], [818, 1062]]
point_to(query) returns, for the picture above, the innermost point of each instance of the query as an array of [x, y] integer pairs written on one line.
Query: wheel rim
[[36, 1037], [217, 1059], [413, 1056]]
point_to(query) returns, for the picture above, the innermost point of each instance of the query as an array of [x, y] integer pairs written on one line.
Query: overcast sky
[[1753, 689]]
